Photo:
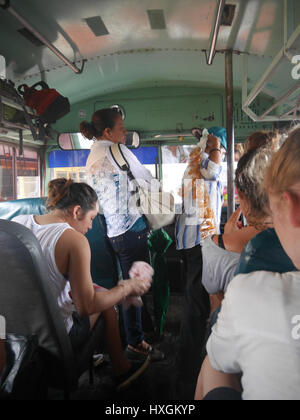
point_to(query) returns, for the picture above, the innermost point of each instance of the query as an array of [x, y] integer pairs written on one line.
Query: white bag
[[157, 206]]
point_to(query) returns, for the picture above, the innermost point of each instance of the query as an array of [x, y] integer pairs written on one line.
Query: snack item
[[194, 183]]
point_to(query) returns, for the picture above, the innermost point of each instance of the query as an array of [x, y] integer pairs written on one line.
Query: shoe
[[136, 370], [98, 359], [134, 353]]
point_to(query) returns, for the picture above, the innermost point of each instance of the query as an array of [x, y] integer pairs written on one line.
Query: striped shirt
[[188, 224]]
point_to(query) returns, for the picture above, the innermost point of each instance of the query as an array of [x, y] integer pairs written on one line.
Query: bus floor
[[156, 383]]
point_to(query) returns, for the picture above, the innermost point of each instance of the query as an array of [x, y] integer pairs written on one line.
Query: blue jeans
[[131, 247]]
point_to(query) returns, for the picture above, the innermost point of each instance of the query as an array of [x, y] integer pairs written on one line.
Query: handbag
[[23, 376], [49, 104], [157, 206]]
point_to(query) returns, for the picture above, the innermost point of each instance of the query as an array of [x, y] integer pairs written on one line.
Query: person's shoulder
[[74, 239], [245, 285]]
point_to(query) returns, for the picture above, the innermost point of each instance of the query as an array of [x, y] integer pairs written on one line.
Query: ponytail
[[87, 130], [101, 119], [64, 194]]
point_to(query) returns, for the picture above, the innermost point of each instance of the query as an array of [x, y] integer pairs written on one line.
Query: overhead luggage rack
[[14, 114]]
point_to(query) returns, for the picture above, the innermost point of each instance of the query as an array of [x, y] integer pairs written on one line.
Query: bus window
[[28, 180], [148, 156], [19, 175], [6, 173], [70, 164]]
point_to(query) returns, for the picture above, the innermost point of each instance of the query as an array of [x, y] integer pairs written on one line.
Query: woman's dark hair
[[101, 119], [63, 194], [249, 180]]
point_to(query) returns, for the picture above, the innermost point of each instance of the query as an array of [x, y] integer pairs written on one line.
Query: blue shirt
[[188, 224]]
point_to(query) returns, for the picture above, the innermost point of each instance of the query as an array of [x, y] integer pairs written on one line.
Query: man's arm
[[211, 167], [213, 149]]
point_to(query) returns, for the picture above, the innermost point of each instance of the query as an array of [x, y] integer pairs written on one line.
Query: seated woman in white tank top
[[73, 206]]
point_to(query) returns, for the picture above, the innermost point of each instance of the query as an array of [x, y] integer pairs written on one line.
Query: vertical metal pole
[[14, 168], [230, 131]]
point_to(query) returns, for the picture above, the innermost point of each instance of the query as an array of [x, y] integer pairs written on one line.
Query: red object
[[39, 100], [49, 104]]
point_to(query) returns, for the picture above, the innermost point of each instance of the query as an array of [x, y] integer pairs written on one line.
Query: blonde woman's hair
[[262, 139], [284, 170], [249, 180]]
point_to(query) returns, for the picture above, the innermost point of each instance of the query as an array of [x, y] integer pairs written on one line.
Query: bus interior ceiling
[[150, 57]]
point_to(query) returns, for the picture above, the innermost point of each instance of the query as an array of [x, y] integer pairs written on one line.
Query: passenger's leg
[[123, 370], [193, 327], [113, 340], [210, 379], [130, 248]]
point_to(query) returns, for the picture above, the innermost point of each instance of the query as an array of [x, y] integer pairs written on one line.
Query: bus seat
[[104, 268], [30, 309], [25, 302], [11, 209], [104, 265]]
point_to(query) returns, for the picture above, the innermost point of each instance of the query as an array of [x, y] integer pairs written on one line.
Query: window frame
[[15, 168]]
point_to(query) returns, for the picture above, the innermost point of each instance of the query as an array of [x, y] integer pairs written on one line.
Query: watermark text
[[296, 69], [296, 329]]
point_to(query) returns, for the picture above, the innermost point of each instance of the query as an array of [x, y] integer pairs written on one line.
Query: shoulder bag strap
[[120, 160]]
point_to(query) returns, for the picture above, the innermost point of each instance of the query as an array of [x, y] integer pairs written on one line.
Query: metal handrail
[[41, 37], [212, 48]]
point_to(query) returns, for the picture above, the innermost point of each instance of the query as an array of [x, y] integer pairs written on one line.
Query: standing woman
[[126, 227]]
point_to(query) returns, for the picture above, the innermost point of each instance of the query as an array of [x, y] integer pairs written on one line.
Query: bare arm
[[235, 238], [86, 300], [213, 143]]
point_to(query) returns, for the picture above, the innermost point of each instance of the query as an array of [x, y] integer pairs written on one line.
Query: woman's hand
[[137, 286], [233, 224]]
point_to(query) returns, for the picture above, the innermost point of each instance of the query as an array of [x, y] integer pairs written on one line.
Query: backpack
[[48, 103]]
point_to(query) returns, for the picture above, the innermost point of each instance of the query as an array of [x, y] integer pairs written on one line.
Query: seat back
[[11, 209], [25, 299]]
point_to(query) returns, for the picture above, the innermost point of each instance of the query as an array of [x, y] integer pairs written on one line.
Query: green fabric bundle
[[159, 242]]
